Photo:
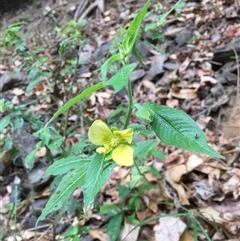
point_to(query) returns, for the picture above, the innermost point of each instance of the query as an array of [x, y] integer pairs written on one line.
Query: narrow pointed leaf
[[95, 179], [68, 184], [66, 164], [133, 29], [85, 93]]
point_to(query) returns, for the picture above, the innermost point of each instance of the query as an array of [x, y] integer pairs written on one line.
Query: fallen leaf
[[98, 234], [129, 232], [42, 152], [169, 229], [186, 94]]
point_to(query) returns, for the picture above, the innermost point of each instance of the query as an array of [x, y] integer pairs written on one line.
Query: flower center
[[114, 142]]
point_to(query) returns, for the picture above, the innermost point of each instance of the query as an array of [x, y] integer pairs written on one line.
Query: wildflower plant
[[115, 142], [89, 164]]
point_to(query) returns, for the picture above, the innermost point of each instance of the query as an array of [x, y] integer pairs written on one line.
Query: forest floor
[[191, 62]]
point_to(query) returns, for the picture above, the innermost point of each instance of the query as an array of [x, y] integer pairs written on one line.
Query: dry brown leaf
[[193, 162], [178, 188], [18, 91], [232, 186], [187, 237], [173, 176], [184, 65], [42, 152], [186, 94], [98, 234], [169, 229], [27, 235], [208, 79], [230, 222], [128, 234], [203, 189], [212, 214]]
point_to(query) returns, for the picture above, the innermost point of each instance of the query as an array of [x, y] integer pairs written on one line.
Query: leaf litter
[[190, 67]]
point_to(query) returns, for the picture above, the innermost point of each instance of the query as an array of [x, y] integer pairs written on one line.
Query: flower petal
[[103, 150], [99, 133], [123, 155], [124, 136]]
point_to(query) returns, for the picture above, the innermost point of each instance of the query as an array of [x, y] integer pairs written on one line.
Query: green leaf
[[77, 98], [17, 122], [32, 84], [140, 129], [144, 147], [66, 164], [2, 107], [68, 184], [71, 231], [78, 147], [95, 179], [123, 192], [44, 134], [143, 112], [120, 79], [174, 127], [4, 122], [110, 210], [114, 227], [105, 66], [30, 158], [133, 29], [55, 144]]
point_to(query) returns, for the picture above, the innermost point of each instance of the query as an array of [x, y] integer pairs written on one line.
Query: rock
[[183, 37], [85, 57], [9, 6], [26, 141], [228, 73], [217, 91], [12, 79], [172, 32], [224, 53], [101, 51], [156, 66], [171, 66], [142, 48], [137, 74], [38, 182]]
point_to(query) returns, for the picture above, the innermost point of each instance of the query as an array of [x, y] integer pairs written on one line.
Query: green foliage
[[132, 32], [96, 177], [78, 166], [114, 227], [174, 127], [69, 182], [85, 93], [120, 79], [66, 164]]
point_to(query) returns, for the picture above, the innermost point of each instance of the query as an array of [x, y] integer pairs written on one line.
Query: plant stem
[[139, 172], [130, 104]]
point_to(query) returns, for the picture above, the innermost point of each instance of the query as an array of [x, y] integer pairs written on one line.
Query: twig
[[88, 10]]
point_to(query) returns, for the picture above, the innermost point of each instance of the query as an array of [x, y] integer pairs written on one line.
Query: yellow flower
[[115, 141]]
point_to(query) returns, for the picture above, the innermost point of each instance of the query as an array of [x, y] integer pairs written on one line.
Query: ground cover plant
[[89, 161]]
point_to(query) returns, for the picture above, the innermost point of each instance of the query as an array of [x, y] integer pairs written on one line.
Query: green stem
[[130, 104], [139, 172]]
